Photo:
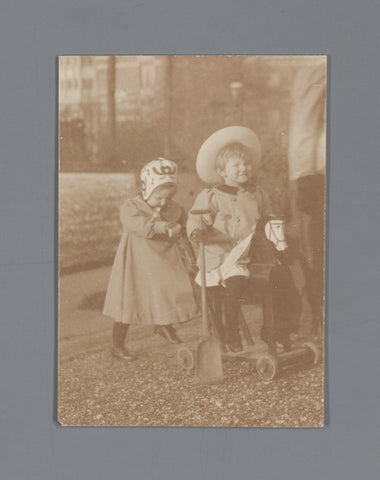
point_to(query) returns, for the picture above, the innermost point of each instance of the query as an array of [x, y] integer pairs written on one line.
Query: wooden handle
[[200, 212], [205, 323], [206, 329]]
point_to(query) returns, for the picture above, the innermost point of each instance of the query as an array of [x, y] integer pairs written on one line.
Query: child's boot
[[119, 334], [168, 333]]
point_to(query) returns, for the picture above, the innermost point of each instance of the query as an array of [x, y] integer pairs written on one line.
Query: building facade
[[139, 106]]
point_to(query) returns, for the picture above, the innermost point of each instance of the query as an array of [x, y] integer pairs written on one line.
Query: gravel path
[[154, 390]]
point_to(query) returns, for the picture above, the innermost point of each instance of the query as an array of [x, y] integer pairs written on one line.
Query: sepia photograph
[[191, 240]]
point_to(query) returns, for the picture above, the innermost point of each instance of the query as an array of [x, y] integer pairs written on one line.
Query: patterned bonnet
[[155, 173]]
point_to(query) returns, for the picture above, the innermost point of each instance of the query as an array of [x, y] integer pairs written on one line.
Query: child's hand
[[174, 230], [198, 235], [207, 219]]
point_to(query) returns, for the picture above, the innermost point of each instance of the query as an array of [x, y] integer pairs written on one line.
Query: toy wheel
[[267, 367], [186, 358], [314, 352]]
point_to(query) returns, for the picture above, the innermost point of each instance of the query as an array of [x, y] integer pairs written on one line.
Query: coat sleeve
[[139, 223], [183, 218], [174, 213], [204, 201]]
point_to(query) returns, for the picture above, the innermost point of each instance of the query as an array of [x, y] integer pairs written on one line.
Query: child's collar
[[234, 190]]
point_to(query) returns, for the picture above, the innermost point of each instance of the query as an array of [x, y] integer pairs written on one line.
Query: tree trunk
[[111, 110], [169, 102]]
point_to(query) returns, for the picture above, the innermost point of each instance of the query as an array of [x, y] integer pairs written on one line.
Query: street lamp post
[[237, 98]]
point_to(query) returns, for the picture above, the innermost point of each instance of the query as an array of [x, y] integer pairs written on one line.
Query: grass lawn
[[89, 226]]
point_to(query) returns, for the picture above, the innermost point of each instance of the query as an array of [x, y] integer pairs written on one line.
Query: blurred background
[[117, 113]]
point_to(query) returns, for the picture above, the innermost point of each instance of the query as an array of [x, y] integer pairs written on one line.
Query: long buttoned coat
[[149, 283]]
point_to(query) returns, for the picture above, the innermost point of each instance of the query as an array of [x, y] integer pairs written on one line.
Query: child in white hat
[[235, 236], [226, 162], [149, 284]]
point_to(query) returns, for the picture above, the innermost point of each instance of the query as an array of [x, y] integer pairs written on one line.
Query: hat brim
[[205, 164]]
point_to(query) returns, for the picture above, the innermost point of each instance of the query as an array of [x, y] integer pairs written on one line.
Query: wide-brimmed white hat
[[155, 173], [208, 152]]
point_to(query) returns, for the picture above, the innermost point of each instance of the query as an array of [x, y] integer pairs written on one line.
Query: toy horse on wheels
[[271, 280]]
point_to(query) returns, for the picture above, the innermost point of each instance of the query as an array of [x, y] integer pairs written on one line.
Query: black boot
[[119, 333], [168, 333]]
